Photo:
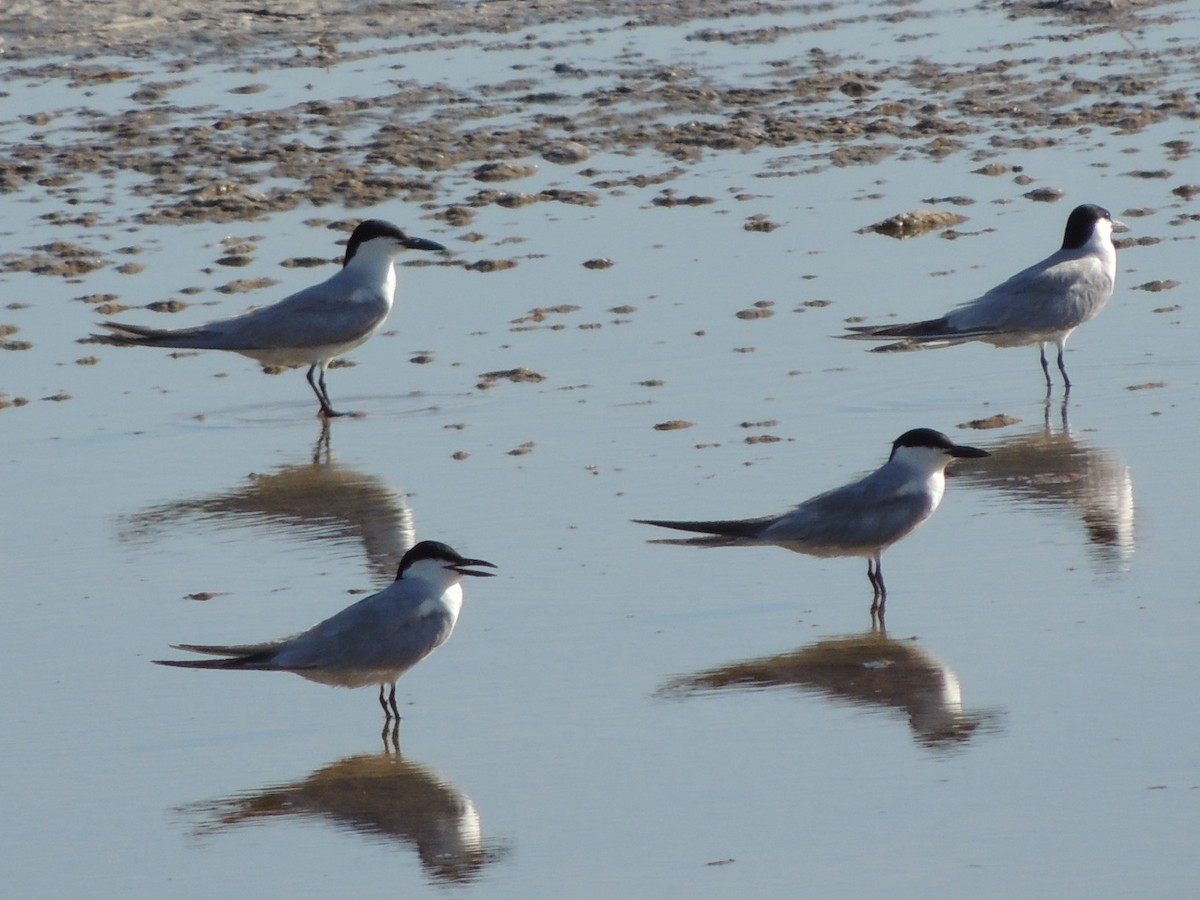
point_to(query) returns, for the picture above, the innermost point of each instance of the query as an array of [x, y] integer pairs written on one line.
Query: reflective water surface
[[382, 796], [320, 500], [869, 670], [612, 717]]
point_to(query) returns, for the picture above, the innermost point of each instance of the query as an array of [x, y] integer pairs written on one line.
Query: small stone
[[565, 153], [503, 171], [1000, 420]]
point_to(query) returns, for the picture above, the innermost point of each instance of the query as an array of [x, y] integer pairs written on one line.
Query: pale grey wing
[[1053, 296], [320, 315], [263, 649], [864, 516], [231, 656], [1046, 300], [378, 632]]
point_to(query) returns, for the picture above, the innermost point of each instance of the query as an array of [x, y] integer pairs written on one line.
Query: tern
[[310, 327], [373, 641], [862, 518], [1043, 303]]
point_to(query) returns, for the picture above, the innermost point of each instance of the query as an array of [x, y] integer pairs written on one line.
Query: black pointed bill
[[416, 243], [963, 452], [461, 567]]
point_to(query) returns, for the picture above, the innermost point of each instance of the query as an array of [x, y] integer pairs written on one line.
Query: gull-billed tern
[[1043, 303], [862, 518], [373, 641], [310, 327]]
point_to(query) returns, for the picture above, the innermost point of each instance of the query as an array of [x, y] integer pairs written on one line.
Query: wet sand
[[833, 110], [655, 230]]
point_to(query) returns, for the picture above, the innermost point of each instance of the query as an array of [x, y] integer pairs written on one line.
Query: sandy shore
[[828, 109], [209, 28]]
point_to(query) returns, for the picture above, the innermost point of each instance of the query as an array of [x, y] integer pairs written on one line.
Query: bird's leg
[[1046, 367], [328, 406], [387, 716], [392, 702], [1062, 368], [318, 386], [875, 576]]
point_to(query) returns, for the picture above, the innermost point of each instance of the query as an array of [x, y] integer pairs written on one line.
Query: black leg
[[875, 576], [392, 701], [1046, 367], [383, 703], [318, 386], [1062, 368]]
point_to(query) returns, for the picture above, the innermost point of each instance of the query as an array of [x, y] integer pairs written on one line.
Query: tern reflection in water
[[1056, 468], [382, 796], [867, 670], [321, 500]]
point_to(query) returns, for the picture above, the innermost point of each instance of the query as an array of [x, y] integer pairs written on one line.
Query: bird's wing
[[316, 316], [233, 649], [233, 656], [866, 514], [1057, 293], [320, 315], [928, 335], [386, 630], [722, 533]]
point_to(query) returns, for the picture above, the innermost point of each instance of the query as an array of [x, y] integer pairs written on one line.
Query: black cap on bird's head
[[1081, 223], [370, 229], [929, 437], [439, 552]]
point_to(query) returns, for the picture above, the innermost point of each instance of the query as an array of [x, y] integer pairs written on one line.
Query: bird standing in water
[[1043, 303], [862, 518], [310, 327], [373, 641]]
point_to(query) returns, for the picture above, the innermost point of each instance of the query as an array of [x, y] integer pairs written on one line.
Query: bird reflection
[[1052, 466], [321, 499], [381, 796], [869, 670]]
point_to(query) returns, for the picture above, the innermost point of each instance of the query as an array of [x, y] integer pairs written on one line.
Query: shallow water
[[613, 716]]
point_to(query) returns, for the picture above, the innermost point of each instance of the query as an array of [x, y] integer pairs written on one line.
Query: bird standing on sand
[[1043, 303], [373, 641], [310, 327], [862, 518]]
